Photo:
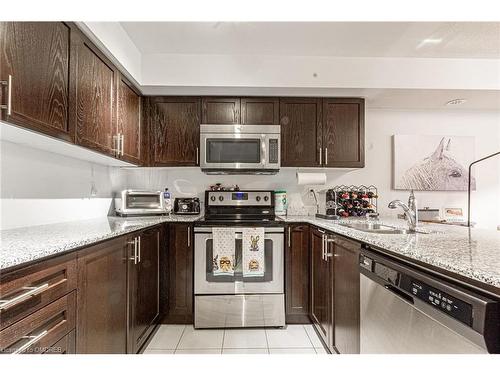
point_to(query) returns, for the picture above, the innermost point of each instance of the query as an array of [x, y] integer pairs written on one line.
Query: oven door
[[206, 283]]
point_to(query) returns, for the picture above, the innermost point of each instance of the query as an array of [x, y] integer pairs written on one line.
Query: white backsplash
[[40, 187]]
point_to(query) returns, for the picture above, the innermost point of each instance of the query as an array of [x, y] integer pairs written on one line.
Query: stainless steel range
[[236, 298]]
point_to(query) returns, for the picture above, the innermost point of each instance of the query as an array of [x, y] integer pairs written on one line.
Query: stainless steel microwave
[[140, 202], [240, 149]]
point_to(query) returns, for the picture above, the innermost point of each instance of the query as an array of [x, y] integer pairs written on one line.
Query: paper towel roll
[[311, 178]]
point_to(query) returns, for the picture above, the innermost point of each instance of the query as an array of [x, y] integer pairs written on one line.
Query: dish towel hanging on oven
[[223, 251], [253, 252]]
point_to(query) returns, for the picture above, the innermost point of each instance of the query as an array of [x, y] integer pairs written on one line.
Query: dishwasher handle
[[399, 293]]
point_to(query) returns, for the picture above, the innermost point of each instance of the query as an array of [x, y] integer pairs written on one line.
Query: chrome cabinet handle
[[116, 144], [197, 155], [31, 342], [289, 235], [139, 251], [123, 143], [8, 106], [326, 155], [331, 240], [323, 247], [189, 236], [134, 258], [320, 156], [31, 292]]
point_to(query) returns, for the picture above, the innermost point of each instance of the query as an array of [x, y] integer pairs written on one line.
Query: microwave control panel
[[273, 151]]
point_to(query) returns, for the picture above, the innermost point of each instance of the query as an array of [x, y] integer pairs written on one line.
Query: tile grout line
[[267, 342], [223, 338], [180, 338], [309, 337]]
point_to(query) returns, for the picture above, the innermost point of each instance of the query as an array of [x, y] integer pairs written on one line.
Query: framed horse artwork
[[432, 162]]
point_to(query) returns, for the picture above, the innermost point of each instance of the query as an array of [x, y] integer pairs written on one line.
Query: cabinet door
[[260, 111], [144, 279], [180, 259], [129, 120], [321, 287], [217, 110], [300, 132], [92, 96], [297, 274], [343, 132], [36, 56], [174, 130], [102, 298], [346, 296]]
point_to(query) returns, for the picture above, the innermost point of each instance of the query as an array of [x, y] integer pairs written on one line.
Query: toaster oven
[[140, 202]]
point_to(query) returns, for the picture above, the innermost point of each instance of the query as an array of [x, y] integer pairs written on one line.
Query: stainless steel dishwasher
[[404, 310]]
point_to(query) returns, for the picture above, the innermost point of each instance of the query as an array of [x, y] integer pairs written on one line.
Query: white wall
[[380, 126], [39, 187], [33, 180], [319, 72]]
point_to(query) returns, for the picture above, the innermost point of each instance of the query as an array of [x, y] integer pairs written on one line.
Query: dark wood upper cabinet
[[92, 96], [102, 298], [260, 111], [346, 296], [174, 130], [180, 288], [36, 55], [343, 132], [128, 105], [297, 274], [220, 110], [321, 287], [301, 136], [144, 293]]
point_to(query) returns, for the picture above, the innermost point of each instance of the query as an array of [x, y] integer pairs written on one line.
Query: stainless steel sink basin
[[377, 228]]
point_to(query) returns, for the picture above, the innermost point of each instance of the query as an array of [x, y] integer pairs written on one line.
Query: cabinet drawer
[[29, 289], [42, 329], [66, 345]]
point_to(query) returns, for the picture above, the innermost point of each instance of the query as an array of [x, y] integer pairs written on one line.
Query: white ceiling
[[346, 39]]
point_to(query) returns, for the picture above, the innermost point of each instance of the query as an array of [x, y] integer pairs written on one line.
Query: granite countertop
[[26, 244], [472, 253]]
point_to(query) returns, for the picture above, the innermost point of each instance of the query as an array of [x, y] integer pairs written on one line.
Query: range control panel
[[239, 198]]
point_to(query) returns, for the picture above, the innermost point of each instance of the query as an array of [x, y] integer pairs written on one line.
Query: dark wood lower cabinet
[[180, 286], [346, 295], [321, 287], [297, 269], [335, 291], [144, 293], [102, 298], [66, 345]]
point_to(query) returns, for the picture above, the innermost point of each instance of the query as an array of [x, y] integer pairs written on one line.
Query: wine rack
[[351, 201]]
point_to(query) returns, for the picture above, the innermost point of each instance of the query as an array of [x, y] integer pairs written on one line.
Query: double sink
[[378, 228]]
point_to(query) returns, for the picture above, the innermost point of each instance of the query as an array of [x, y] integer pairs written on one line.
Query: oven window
[[238, 274], [223, 150], [143, 201]]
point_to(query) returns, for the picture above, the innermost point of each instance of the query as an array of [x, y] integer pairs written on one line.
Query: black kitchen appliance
[[187, 206]]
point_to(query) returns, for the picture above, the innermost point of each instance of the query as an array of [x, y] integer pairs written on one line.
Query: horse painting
[[438, 171]]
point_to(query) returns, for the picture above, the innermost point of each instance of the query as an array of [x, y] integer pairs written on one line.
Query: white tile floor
[[184, 339]]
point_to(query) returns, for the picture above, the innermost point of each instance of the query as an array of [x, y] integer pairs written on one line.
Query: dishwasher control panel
[[449, 305]]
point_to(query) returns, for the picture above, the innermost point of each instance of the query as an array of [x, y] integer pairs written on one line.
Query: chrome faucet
[[410, 210]]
